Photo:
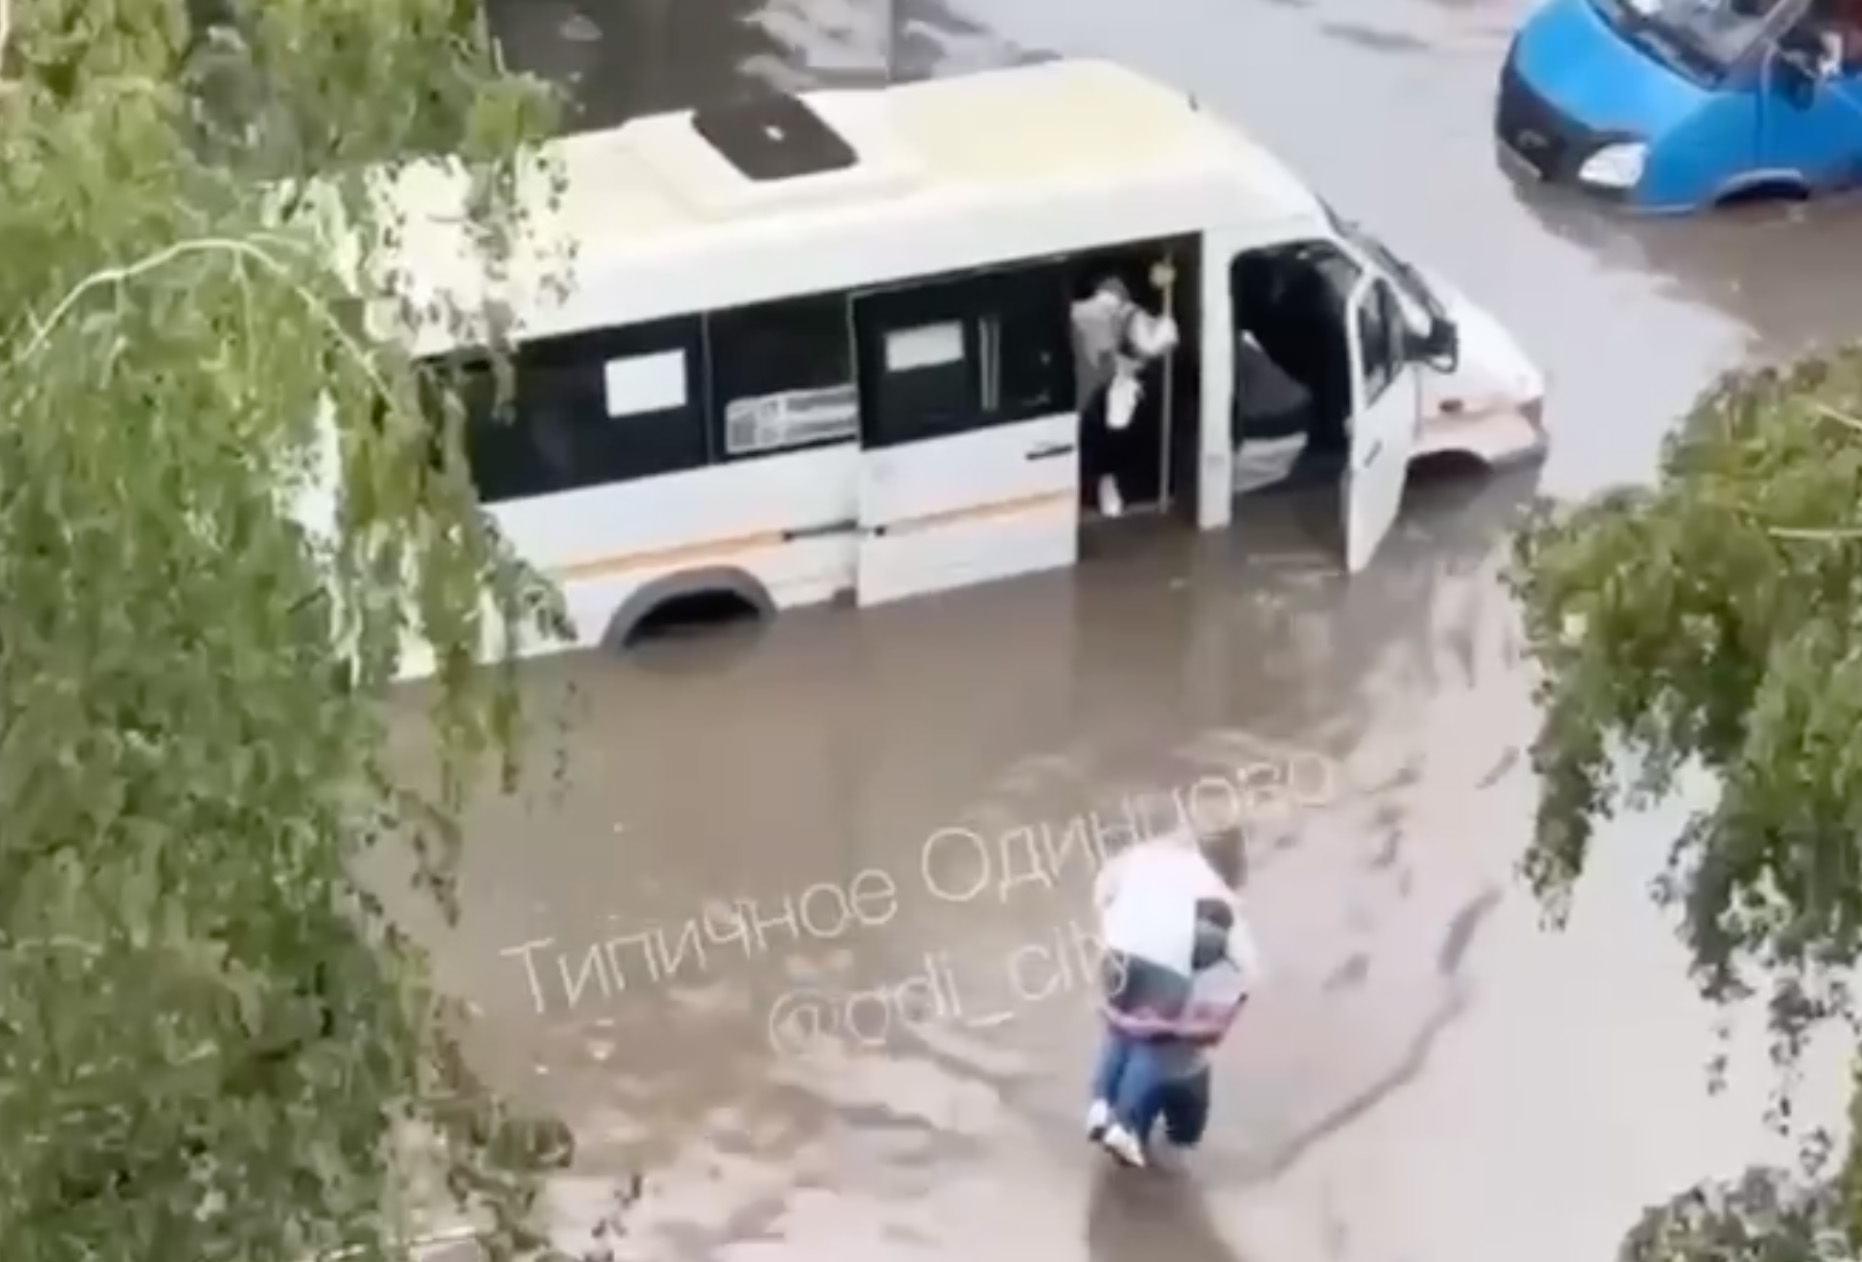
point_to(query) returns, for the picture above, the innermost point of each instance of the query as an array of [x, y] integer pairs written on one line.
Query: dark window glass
[[1340, 273], [919, 374], [1027, 338], [1396, 328], [492, 442], [782, 376], [955, 356], [1380, 336], [929, 380], [590, 409]]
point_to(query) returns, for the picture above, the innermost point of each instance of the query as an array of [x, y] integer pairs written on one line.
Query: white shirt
[[1127, 893], [1112, 337], [1145, 896], [1098, 331]]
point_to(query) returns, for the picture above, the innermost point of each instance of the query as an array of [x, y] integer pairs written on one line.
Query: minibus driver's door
[[1386, 397], [970, 462]]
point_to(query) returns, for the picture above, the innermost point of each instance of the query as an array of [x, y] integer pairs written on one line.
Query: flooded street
[[892, 1065]]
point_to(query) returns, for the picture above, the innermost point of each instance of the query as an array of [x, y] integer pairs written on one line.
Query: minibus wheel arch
[[723, 583]]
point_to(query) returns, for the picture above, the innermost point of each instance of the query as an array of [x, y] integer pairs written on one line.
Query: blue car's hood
[[1570, 56]]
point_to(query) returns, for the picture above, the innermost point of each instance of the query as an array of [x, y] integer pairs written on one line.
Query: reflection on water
[[1764, 266]]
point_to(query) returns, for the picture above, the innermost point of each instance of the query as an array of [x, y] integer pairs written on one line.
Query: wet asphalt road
[[1428, 1076]]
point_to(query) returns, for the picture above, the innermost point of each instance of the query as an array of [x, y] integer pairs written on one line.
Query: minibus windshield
[[1406, 278], [1703, 39]]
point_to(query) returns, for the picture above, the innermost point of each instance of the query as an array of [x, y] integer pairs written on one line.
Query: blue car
[[1677, 105]]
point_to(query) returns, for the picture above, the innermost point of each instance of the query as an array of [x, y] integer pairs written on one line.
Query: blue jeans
[[1125, 1075], [1130, 1079], [1182, 1104]]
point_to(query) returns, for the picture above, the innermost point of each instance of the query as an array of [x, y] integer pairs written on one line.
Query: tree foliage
[[1712, 623], [1766, 1215], [212, 1043]]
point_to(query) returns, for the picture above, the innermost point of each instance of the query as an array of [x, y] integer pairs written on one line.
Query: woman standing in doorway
[[1113, 339]]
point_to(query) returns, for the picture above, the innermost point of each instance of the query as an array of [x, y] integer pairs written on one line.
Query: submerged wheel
[[1762, 191], [678, 604]]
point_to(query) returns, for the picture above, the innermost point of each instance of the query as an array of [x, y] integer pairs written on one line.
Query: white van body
[[802, 496]]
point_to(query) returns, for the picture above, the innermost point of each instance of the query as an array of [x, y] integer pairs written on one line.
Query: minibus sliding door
[[970, 466]]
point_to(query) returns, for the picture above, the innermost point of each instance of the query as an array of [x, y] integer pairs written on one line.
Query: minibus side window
[[951, 357], [487, 427], [595, 408], [1027, 326], [781, 376], [919, 364], [928, 383], [1380, 333]]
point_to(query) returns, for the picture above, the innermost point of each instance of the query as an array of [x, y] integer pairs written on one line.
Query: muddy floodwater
[[886, 1058]]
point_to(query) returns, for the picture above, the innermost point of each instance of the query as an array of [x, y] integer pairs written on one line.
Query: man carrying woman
[[1180, 964]]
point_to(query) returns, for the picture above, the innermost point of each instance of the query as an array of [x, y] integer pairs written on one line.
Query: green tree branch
[[1712, 623], [214, 1045]]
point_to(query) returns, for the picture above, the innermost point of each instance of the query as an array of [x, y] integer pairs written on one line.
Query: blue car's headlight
[[1616, 167]]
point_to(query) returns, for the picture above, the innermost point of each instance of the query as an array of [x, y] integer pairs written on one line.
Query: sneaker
[[1110, 502], [1098, 1118], [1124, 1145]]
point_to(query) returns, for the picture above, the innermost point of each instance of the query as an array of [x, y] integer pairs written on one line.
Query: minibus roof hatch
[[774, 137]]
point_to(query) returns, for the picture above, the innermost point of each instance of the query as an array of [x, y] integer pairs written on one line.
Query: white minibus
[[818, 346]]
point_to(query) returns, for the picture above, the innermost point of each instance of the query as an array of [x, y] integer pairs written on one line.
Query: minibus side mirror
[[1439, 348]]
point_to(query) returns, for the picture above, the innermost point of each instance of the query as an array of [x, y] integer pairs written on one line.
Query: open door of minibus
[[1385, 422], [965, 475]]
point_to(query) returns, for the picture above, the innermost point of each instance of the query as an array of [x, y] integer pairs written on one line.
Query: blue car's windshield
[[1703, 39]]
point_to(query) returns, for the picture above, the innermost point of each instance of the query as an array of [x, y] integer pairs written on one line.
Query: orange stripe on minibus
[[735, 545], [680, 554], [1013, 507]]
